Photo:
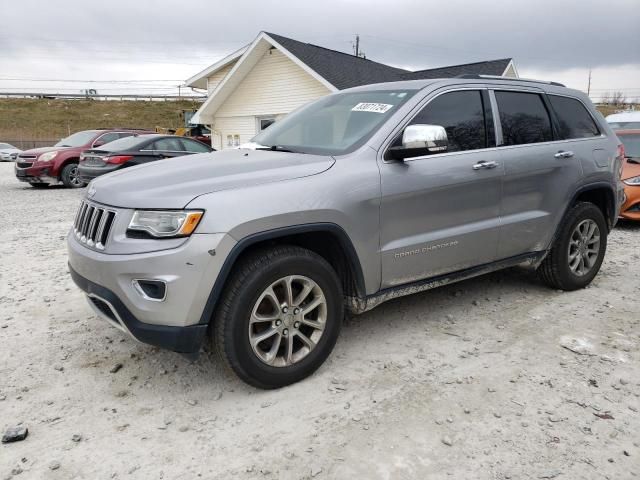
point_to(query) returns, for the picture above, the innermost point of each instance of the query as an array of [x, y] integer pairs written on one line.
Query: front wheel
[[279, 316], [578, 251], [70, 177]]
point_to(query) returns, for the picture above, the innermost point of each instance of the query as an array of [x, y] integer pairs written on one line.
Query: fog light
[[154, 290]]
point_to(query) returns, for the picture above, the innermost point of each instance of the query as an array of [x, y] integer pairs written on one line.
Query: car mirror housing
[[421, 139]]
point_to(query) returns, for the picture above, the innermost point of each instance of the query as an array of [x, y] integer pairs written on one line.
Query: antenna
[[356, 48]]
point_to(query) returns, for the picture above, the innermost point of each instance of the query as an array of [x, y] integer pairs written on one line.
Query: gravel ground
[[471, 381]]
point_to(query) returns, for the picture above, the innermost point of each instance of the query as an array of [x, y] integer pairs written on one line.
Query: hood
[[630, 169], [174, 183], [41, 150]]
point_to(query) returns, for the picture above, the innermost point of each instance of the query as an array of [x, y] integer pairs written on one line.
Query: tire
[[556, 270], [39, 185], [70, 177], [246, 292]]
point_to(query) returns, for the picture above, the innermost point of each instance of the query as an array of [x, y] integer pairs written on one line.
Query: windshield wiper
[[633, 159], [277, 148]]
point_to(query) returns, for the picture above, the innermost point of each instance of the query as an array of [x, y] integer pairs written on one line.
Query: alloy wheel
[[287, 321], [584, 247], [74, 178]]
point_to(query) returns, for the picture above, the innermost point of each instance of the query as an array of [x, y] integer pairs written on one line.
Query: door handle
[[564, 154], [485, 164]]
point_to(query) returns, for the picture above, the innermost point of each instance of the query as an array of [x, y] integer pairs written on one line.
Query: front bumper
[[88, 173], [631, 207], [107, 305], [189, 271], [36, 174]]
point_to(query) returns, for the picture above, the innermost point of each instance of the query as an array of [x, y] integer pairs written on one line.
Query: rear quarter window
[[524, 118], [574, 120]]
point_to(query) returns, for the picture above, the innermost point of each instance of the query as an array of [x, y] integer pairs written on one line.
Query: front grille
[[27, 156], [24, 164], [634, 208], [93, 224]]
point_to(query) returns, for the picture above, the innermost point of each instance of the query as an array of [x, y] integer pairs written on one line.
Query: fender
[[242, 245]]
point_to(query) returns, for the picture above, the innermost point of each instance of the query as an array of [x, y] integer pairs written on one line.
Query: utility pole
[[357, 45], [589, 84], [179, 93]]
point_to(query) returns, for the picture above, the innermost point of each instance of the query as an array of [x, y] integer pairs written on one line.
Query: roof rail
[[125, 128], [497, 77]]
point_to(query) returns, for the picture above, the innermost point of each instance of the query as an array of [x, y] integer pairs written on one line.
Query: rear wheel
[[578, 251], [70, 176], [279, 317]]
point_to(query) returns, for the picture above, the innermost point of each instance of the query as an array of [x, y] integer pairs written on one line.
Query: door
[[541, 171], [441, 212]]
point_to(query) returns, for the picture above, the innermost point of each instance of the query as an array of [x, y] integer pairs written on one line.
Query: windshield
[[77, 139], [5, 145], [126, 143], [631, 145], [335, 124]]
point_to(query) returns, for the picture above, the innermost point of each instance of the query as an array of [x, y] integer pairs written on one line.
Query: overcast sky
[[133, 46]]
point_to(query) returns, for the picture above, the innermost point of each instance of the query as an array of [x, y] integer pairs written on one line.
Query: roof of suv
[[501, 81]]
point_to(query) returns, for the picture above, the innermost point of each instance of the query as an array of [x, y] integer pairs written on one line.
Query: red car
[[46, 166]]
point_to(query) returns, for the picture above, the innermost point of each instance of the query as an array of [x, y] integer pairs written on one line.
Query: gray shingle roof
[[343, 70], [490, 67]]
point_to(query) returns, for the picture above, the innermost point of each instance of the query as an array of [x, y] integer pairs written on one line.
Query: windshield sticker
[[372, 107]]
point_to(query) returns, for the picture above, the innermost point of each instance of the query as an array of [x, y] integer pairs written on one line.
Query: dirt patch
[[470, 381]]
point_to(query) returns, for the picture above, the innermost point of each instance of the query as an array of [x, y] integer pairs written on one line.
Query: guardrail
[[72, 96]]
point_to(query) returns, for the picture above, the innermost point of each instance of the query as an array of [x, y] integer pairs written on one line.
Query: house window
[[229, 140], [264, 122], [236, 140]]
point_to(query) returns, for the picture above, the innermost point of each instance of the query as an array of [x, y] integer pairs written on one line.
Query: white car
[[8, 153], [624, 121]]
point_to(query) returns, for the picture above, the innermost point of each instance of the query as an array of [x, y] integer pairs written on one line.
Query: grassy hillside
[[35, 120]]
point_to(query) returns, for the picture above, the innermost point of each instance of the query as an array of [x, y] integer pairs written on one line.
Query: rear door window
[[462, 116], [574, 120], [524, 118], [193, 146], [168, 145]]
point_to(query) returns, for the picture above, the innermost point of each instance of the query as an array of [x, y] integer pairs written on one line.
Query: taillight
[[118, 159]]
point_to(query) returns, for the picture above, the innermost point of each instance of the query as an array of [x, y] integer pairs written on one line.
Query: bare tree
[[618, 98]]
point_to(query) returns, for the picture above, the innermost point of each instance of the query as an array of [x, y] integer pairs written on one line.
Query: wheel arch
[[328, 240], [602, 195], [63, 163]]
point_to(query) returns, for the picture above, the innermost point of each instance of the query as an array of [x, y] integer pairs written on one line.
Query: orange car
[[631, 173]]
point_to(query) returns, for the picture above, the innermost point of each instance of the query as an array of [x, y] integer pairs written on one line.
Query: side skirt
[[357, 305]]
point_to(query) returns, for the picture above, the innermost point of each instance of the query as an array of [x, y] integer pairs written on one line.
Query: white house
[[264, 81]]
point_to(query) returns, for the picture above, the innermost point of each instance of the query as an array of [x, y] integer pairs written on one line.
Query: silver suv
[[359, 197]]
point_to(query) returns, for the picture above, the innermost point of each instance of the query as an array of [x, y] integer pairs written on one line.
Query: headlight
[[635, 181], [45, 157], [163, 224]]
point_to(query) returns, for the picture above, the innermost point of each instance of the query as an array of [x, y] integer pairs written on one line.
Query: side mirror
[[419, 140], [98, 143]]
